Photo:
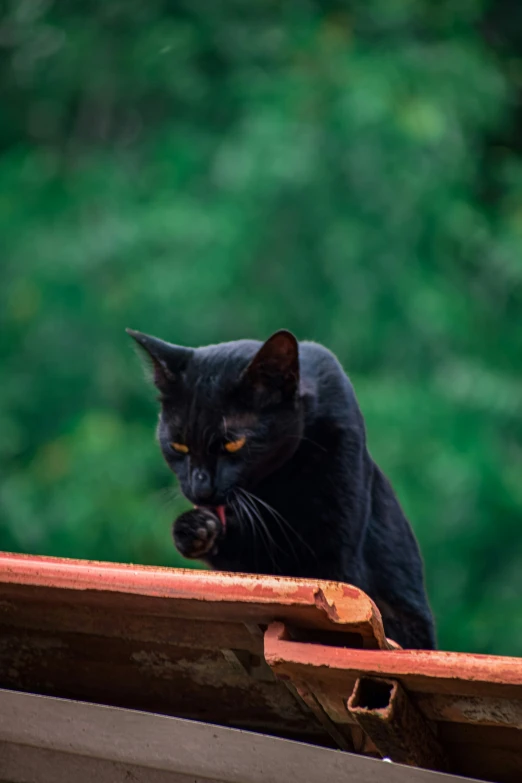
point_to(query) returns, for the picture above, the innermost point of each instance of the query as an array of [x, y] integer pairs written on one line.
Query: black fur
[[303, 496]]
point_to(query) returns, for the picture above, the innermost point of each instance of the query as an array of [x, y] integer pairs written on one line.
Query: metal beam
[[48, 740], [398, 730]]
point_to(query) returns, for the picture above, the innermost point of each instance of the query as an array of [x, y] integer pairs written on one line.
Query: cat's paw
[[195, 532]]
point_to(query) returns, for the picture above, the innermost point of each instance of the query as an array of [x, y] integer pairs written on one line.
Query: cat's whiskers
[[244, 507], [251, 500], [278, 517], [235, 506], [308, 440], [255, 532], [258, 524], [254, 516], [168, 495]]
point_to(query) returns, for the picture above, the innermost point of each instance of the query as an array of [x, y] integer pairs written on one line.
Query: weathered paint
[[187, 643], [193, 644], [314, 603], [480, 710], [456, 673], [474, 701]]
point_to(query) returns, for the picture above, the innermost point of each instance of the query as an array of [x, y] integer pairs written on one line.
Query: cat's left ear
[[167, 361], [274, 370]]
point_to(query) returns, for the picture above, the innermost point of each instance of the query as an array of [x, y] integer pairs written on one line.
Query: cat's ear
[[166, 360], [273, 373]]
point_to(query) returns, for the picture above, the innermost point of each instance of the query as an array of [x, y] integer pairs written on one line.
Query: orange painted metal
[[180, 642], [474, 702], [328, 606], [272, 654], [421, 670]]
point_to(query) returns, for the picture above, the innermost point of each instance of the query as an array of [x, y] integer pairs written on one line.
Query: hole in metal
[[373, 694]]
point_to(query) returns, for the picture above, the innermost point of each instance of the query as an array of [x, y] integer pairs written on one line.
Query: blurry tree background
[[208, 171]]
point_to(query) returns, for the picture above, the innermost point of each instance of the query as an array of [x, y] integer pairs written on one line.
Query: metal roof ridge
[[341, 605]]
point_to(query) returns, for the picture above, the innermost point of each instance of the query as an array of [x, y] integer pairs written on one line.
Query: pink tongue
[[220, 511]]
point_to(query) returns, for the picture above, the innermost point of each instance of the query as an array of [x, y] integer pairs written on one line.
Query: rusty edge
[[423, 668], [335, 605]]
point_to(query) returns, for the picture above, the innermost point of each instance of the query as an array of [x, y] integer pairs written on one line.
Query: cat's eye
[[180, 448], [235, 445]]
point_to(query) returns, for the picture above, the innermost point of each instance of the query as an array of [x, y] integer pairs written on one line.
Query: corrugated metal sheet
[[277, 655]]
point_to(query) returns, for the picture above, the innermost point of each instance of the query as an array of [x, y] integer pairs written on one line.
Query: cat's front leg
[[196, 533]]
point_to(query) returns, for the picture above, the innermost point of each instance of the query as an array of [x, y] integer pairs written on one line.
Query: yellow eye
[[235, 445], [180, 447]]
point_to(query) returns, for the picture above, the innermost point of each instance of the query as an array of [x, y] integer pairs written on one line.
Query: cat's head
[[230, 413]]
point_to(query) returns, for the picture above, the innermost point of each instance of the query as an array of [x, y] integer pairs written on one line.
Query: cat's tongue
[[220, 511]]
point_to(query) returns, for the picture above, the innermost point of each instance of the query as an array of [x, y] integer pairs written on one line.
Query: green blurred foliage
[[209, 171]]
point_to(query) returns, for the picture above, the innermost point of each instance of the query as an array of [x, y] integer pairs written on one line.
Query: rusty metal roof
[[300, 659]]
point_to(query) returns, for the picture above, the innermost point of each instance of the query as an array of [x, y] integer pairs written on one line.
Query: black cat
[[268, 442]]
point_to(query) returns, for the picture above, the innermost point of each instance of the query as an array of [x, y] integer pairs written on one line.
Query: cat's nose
[[201, 484]]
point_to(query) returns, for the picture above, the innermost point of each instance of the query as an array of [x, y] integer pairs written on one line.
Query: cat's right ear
[[273, 373], [167, 361]]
